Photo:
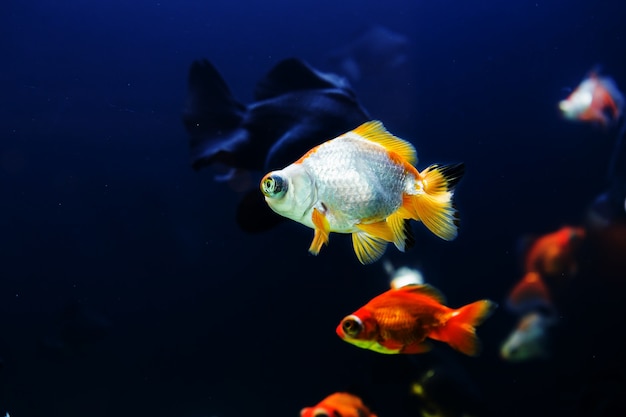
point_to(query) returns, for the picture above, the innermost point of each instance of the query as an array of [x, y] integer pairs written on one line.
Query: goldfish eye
[[273, 186], [352, 326]]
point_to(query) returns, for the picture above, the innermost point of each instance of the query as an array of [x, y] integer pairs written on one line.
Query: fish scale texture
[[356, 179]]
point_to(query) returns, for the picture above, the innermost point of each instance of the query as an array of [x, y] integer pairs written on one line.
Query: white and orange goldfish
[[364, 183], [596, 100], [528, 340], [400, 320]]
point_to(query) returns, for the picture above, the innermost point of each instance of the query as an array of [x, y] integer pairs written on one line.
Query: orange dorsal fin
[[375, 131], [424, 289]]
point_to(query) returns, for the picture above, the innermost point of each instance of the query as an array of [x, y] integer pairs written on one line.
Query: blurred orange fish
[[596, 99], [400, 320], [339, 404], [528, 294], [554, 254], [364, 183]]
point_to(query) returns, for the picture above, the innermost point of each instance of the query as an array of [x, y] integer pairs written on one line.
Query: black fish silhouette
[[297, 107]]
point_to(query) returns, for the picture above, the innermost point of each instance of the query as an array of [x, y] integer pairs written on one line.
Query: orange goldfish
[[364, 183], [529, 293], [400, 320], [554, 253], [339, 404], [596, 99]]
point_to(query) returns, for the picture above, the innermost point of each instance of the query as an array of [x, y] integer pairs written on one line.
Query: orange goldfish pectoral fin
[[402, 232], [368, 248], [322, 231], [460, 329], [375, 131], [433, 206]]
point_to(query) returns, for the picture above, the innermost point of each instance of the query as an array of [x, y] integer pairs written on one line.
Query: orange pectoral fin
[[322, 231]]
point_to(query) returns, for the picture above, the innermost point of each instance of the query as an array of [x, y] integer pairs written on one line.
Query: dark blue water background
[[185, 314]]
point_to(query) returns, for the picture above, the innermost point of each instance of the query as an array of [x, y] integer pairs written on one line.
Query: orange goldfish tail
[[460, 332], [433, 205]]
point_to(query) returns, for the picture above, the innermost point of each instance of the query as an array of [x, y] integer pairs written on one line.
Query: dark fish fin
[[254, 215], [210, 104], [212, 115], [409, 240], [293, 74], [453, 173]]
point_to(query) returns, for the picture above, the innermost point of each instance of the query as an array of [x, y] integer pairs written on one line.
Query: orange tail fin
[[433, 206], [460, 332]]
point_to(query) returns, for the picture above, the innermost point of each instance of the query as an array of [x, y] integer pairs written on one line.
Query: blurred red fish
[[339, 404], [400, 320], [549, 256], [596, 99], [554, 254], [529, 293]]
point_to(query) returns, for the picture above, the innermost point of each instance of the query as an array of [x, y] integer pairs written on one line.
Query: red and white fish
[[400, 320], [596, 99], [339, 404], [364, 183]]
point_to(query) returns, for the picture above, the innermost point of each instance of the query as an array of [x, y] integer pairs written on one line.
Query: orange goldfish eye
[[352, 326], [273, 186]]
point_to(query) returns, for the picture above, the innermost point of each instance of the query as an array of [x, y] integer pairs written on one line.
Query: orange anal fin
[[368, 248], [402, 232], [322, 231], [416, 348], [380, 230]]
